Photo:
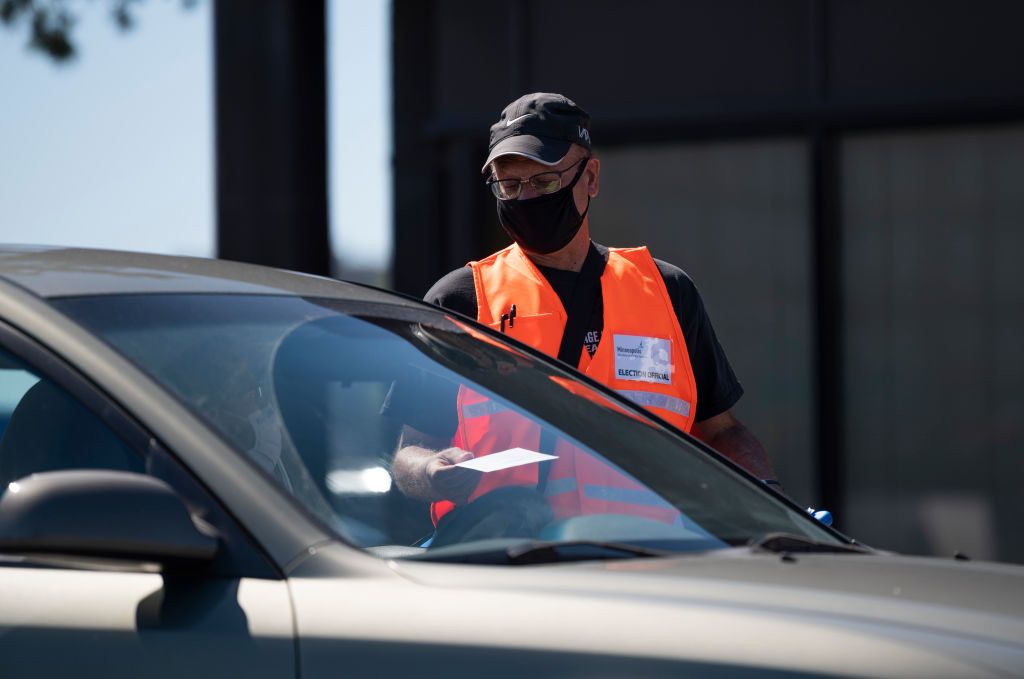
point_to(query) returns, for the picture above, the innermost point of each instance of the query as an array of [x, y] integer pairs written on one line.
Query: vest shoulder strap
[[639, 256], [479, 268]]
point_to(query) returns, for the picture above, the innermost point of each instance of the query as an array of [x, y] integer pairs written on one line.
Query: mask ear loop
[[579, 172], [575, 180]]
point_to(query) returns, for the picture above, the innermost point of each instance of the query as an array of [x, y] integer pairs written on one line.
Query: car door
[[83, 614]]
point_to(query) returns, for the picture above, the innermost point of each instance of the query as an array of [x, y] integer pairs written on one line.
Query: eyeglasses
[[543, 183]]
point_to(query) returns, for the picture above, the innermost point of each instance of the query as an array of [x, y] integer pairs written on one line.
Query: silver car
[[196, 473]]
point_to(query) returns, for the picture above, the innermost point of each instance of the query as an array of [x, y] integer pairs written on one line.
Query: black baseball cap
[[541, 126]]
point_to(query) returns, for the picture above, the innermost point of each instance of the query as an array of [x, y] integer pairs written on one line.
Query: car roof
[[65, 272]]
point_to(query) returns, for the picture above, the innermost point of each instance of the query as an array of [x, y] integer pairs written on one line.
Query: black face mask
[[546, 223]]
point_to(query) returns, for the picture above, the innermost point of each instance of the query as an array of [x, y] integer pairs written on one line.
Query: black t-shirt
[[717, 386]]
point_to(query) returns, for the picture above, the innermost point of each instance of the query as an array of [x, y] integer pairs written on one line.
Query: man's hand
[[448, 482], [423, 472]]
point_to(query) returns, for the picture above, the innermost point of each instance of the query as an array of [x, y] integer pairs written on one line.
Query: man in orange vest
[[632, 322]]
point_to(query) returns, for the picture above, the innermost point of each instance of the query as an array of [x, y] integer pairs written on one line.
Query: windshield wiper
[[788, 543], [577, 550], [538, 552]]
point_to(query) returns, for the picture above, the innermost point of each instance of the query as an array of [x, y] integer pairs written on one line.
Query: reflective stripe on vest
[[651, 400], [626, 496], [644, 398], [482, 409], [559, 486]]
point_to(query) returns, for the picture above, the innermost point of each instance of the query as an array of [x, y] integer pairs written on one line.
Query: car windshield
[[321, 393]]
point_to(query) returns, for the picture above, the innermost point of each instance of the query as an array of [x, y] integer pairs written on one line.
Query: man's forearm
[[743, 448]]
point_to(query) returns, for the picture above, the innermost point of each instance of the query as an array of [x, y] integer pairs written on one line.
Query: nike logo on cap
[[508, 123]]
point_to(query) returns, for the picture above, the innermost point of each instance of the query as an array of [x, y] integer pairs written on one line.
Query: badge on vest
[[643, 359]]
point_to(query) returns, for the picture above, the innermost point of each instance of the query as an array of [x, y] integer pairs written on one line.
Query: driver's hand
[[448, 481]]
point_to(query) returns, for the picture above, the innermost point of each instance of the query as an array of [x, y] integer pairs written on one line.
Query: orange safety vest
[[642, 354]]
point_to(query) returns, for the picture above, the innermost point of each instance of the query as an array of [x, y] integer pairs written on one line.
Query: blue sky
[[116, 148]]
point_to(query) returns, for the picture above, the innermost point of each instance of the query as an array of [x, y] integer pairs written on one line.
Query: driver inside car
[[517, 501]]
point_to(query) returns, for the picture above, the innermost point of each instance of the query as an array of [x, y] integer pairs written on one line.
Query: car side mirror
[[101, 513]]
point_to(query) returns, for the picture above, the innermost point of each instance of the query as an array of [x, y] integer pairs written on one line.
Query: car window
[[14, 382], [319, 394], [46, 429]]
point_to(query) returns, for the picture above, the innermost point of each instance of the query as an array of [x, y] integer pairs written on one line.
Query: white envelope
[[513, 457]]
